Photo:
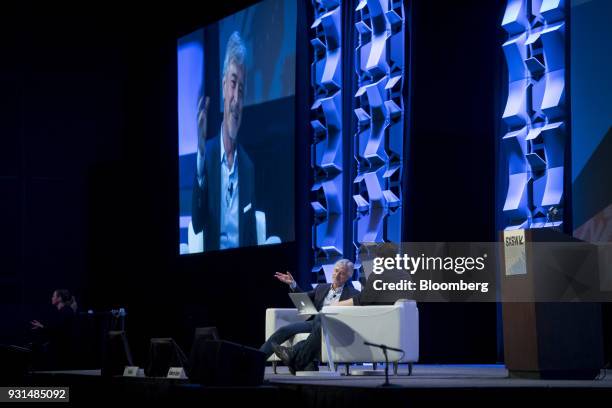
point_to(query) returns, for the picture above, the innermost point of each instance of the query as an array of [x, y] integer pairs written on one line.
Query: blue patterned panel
[[379, 113], [535, 113], [326, 151]]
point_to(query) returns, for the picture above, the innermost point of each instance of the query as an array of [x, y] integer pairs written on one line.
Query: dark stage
[[428, 384]]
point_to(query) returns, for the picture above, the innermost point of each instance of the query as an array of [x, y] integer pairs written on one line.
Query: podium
[[548, 333]]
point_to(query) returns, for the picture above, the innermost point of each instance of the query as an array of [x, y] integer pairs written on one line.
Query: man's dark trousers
[[307, 351], [285, 333]]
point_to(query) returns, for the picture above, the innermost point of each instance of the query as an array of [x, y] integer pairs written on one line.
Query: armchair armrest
[[279, 317]]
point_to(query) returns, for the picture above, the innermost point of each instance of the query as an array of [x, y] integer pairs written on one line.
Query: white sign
[[176, 373], [130, 371], [514, 251]]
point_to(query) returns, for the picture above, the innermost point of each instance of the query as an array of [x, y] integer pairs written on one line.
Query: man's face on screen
[[233, 93]]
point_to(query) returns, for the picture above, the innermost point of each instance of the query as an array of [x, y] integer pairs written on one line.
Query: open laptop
[[303, 303]]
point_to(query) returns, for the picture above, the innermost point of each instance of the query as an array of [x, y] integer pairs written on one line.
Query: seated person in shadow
[[324, 294], [55, 334]]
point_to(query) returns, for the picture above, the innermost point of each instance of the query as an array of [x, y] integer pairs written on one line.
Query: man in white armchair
[[325, 294], [302, 355]]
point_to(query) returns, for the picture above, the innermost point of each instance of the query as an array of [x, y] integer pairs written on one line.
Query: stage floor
[[437, 376], [429, 384], [423, 376]]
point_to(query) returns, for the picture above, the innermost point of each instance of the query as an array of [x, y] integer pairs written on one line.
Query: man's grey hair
[[345, 263], [235, 52]]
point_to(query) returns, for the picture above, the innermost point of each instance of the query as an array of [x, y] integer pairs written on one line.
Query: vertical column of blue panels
[[326, 150], [535, 114], [379, 112]]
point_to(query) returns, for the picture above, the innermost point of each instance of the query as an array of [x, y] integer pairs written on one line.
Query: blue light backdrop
[[535, 116], [327, 147], [372, 130], [379, 112], [591, 96]]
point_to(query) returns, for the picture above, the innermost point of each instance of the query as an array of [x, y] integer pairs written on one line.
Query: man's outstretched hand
[[36, 325], [285, 277]]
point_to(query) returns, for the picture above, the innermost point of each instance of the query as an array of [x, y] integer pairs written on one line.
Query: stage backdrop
[[591, 93]]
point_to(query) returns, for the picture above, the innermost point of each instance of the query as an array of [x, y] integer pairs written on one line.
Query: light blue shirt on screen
[[229, 200], [229, 197]]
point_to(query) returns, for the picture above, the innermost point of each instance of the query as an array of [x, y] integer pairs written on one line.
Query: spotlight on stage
[[163, 354]]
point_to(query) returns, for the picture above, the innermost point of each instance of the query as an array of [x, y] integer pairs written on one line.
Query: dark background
[[88, 171], [88, 181], [457, 74]]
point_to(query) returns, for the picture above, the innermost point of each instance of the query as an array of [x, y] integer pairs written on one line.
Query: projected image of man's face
[[233, 94], [236, 129]]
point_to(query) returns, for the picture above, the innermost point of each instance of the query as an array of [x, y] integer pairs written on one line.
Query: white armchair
[[395, 326], [277, 318], [348, 327]]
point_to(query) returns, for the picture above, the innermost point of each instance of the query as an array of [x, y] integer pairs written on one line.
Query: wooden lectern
[[545, 337]]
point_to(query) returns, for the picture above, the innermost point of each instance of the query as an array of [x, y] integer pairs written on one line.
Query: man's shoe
[[285, 354], [313, 366]]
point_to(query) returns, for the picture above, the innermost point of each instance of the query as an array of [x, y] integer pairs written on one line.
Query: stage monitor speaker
[[223, 363], [207, 333], [116, 353], [163, 354]]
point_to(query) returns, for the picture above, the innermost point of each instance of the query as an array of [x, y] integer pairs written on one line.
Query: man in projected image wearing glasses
[[224, 187]]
